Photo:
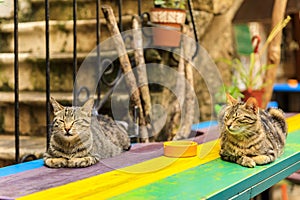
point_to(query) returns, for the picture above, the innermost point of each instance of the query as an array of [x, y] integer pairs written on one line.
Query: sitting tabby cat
[[79, 139], [251, 136]]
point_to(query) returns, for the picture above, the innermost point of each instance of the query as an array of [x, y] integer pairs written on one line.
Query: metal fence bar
[[74, 49], [139, 8], [16, 76], [120, 5], [98, 33], [47, 18]]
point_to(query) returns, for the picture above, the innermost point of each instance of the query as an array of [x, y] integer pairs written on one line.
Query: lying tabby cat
[[251, 136], [79, 139]]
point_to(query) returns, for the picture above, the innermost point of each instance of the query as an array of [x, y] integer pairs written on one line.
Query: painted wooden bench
[[144, 173]]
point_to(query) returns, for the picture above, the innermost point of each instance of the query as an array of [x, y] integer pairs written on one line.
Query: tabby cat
[[251, 136], [80, 139]]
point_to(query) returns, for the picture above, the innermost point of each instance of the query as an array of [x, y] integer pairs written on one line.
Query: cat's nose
[[67, 129]]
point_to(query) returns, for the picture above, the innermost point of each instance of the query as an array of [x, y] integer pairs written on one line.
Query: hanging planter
[[167, 24]]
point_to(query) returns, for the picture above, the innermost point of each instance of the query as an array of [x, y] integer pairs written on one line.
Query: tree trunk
[[127, 69], [274, 50]]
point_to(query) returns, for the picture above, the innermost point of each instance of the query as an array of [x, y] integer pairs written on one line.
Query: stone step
[[32, 36], [36, 98], [34, 10], [32, 71], [32, 111], [29, 145]]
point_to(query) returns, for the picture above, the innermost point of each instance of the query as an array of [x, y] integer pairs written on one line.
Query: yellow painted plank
[[293, 123], [125, 179]]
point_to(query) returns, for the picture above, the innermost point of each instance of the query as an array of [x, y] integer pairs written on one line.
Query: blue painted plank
[[13, 169], [284, 87], [204, 125]]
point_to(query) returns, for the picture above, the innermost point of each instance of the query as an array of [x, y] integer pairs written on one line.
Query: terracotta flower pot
[[257, 94], [167, 26], [168, 36]]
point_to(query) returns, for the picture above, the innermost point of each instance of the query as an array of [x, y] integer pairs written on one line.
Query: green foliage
[[179, 4], [218, 108], [220, 96], [232, 89], [248, 75]]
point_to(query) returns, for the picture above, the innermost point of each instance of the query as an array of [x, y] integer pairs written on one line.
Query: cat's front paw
[[81, 162], [55, 162], [263, 159], [246, 162]]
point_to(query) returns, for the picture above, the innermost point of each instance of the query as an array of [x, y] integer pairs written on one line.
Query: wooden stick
[[126, 68], [141, 67], [274, 50]]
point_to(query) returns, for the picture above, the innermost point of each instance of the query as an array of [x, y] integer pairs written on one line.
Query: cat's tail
[[279, 118]]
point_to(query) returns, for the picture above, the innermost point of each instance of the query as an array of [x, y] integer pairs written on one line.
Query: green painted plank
[[219, 179]]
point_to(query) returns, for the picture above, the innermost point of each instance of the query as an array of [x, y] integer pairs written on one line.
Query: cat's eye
[[56, 122], [246, 120], [243, 121], [60, 121], [247, 117], [77, 121]]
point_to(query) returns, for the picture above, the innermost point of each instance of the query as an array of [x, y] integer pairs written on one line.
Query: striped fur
[[79, 139], [251, 136]]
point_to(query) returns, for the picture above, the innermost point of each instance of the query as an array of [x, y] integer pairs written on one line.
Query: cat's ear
[[251, 103], [230, 99], [56, 106], [88, 106]]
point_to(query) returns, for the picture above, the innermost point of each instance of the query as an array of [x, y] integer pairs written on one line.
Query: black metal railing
[[47, 61], [47, 45], [47, 65], [16, 74]]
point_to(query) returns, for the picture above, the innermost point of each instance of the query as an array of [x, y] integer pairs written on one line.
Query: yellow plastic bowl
[[180, 149]]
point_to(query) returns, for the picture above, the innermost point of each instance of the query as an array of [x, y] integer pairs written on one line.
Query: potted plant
[[167, 17], [251, 74], [250, 77]]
